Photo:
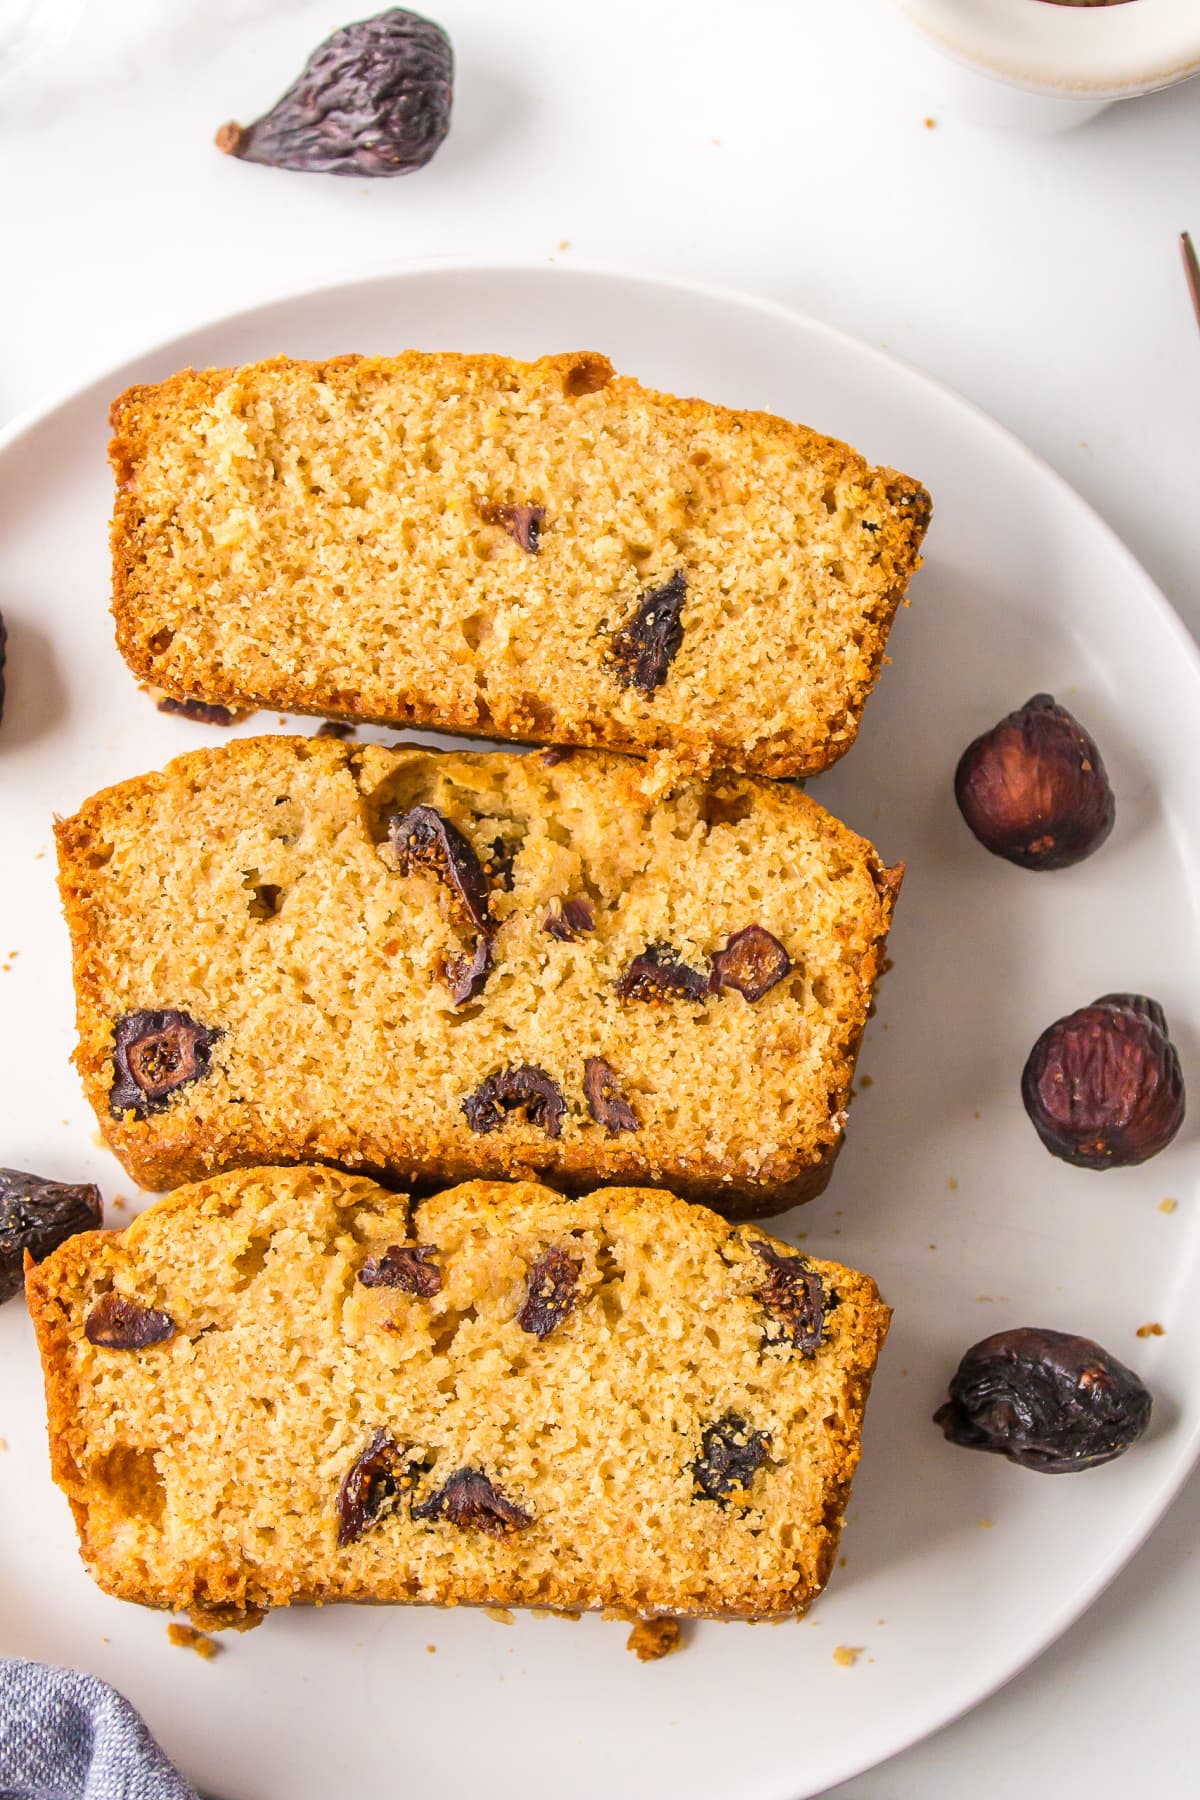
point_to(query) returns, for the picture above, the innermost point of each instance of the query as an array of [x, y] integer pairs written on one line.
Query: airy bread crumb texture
[[207, 1471], [340, 538], [254, 888]]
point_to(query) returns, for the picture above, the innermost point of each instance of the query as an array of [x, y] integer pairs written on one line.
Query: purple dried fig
[[466, 976], [116, 1323], [522, 523], [373, 99], [473, 1503], [729, 1455], [1034, 790], [37, 1215], [1046, 1400], [570, 921], [409, 1267], [154, 1055], [525, 1089], [374, 1486], [606, 1103], [642, 650], [660, 974], [551, 1291], [753, 961], [1103, 1086], [424, 840]]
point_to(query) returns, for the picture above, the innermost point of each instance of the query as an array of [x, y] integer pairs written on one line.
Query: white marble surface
[[776, 145]]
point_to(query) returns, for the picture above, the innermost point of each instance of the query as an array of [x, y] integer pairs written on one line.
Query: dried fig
[[1034, 790], [1103, 1086], [642, 650], [37, 1215], [373, 99], [154, 1055], [1046, 1400], [525, 1089]]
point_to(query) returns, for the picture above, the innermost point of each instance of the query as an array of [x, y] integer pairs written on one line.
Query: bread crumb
[[866, 1081], [99, 1140], [1153, 1329], [978, 1114], [186, 1637], [118, 1203], [564, 244], [846, 1655], [3, 1444], [652, 1639], [432, 1649], [841, 1562], [38, 855], [1167, 1206], [952, 1183], [500, 1614], [987, 1524], [930, 124], [980, 1297]]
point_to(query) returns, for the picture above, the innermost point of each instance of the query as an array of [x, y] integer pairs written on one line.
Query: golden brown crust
[[112, 871], [173, 1526], [144, 416]]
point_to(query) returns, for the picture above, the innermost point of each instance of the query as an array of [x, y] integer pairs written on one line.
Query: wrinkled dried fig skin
[[551, 1292], [1047, 1400], [753, 962], [642, 650], [1034, 789], [606, 1103], [471, 1502], [410, 1267], [509, 1090], [116, 1323], [37, 1215], [154, 1055], [731, 1452], [373, 1486], [1103, 1086], [373, 99], [425, 842]]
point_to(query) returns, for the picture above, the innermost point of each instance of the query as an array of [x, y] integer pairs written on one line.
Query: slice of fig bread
[[292, 950], [535, 550], [285, 1385]]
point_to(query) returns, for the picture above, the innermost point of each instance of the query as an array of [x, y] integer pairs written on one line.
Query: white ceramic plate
[[958, 1567]]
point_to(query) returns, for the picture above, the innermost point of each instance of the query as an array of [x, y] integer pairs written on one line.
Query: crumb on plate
[[652, 1639], [186, 1637]]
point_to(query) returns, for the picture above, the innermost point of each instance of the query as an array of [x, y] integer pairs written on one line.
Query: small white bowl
[[1042, 65]]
